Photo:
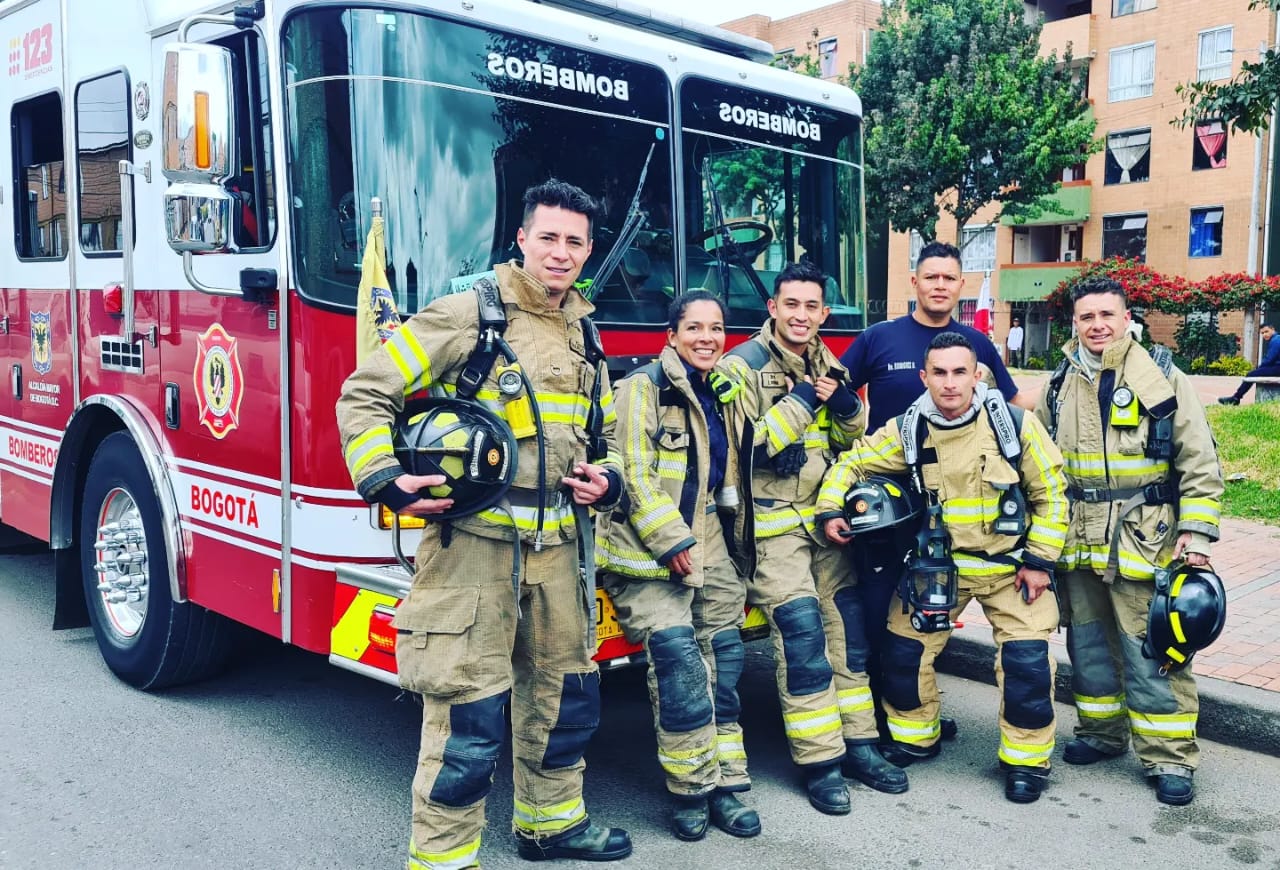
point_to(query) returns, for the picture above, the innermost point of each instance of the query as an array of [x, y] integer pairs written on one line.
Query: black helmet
[[467, 443], [879, 503], [1187, 613]]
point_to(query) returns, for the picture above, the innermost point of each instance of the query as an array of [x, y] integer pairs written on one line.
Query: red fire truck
[[184, 200]]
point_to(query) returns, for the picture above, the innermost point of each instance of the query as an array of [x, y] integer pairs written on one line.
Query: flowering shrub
[[1171, 294], [1232, 366]]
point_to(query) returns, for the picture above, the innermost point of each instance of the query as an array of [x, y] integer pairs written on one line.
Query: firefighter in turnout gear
[[499, 613], [997, 480], [667, 568], [794, 416], [1145, 486]]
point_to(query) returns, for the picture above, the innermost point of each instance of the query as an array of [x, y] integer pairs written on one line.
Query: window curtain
[[1206, 229], [1212, 137], [1128, 149]]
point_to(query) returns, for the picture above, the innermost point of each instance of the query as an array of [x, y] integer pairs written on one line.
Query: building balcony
[[1032, 282], [1069, 204], [1075, 28]]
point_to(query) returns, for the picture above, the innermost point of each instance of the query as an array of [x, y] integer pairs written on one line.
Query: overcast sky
[[719, 11]]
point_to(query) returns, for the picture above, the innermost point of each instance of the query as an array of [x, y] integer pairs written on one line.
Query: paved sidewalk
[[1239, 676]]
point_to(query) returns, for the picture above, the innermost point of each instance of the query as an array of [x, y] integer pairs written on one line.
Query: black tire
[[146, 638]]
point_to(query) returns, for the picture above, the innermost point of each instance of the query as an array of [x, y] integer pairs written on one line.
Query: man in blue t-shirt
[[889, 357]]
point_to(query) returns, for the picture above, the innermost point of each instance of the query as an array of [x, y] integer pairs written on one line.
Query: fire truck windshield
[[768, 181], [448, 123]]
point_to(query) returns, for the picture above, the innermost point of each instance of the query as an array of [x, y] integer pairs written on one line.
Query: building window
[[785, 59], [827, 50], [1206, 232], [1128, 156], [978, 249], [916, 244], [1128, 7], [1125, 235], [1132, 73], [1209, 150], [968, 307], [39, 209], [1215, 54]]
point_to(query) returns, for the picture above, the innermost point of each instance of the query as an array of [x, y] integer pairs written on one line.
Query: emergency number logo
[[219, 381], [41, 352]]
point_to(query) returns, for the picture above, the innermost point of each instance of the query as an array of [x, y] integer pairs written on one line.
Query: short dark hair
[[944, 340], [1094, 286], [561, 194], [805, 271], [681, 303], [938, 249]]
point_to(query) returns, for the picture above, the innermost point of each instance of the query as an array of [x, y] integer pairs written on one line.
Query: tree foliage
[[1245, 102], [960, 106]]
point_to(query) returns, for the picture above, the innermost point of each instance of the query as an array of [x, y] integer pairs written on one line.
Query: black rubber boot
[[948, 728], [733, 816], [1023, 785], [906, 754], [1082, 752], [1174, 790], [689, 817], [863, 762], [587, 843], [827, 791]]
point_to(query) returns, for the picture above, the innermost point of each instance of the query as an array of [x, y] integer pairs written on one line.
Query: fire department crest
[[219, 381], [41, 351]]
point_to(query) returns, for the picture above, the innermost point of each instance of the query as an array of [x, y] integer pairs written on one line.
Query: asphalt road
[[286, 762]]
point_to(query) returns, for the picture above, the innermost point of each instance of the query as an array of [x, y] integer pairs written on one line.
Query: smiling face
[[556, 243], [951, 375], [937, 282], [699, 336], [1100, 319], [797, 311]]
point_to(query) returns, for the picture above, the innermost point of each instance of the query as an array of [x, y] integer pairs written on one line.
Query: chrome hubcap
[[123, 575]]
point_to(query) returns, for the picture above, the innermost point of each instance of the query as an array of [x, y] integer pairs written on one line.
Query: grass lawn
[[1249, 444]]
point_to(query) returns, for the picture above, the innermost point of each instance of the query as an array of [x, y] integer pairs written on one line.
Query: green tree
[[961, 112], [1245, 102]]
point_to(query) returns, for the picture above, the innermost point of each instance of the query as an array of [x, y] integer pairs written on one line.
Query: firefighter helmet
[[1188, 611], [879, 503], [471, 446]]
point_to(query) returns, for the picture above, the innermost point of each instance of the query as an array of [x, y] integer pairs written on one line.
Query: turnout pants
[[1117, 691], [785, 590], [692, 640], [1024, 671], [844, 619], [462, 647]]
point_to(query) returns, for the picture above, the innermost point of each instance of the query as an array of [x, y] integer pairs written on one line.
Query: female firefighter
[[667, 569]]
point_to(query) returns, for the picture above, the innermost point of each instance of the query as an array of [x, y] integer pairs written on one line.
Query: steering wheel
[[751, 248]]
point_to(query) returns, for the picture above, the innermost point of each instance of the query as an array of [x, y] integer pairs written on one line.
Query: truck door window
[[102, 141], [252, 184], [39, 180]]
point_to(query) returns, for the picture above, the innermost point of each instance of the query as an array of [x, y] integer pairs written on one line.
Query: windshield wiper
[[631, 227]]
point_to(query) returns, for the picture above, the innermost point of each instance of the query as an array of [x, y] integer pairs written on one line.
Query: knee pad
[[1028, 686], [848, 602], [579, 717], [1145, 689], [804, 645], [1093, 671], [683, 702], [476, 732], [901, 657], [730, 655]]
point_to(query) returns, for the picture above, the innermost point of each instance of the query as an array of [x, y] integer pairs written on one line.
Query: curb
[[1230, 713]]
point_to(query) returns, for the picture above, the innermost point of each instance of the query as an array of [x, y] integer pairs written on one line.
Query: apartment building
[[1181, 199]]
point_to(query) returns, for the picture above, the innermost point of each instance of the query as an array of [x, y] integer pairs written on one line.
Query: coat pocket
[[434, 654]]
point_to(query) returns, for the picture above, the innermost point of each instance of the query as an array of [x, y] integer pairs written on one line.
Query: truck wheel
[[146, 638]]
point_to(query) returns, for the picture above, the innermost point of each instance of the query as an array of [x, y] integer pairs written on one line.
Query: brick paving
[[1248, 560]]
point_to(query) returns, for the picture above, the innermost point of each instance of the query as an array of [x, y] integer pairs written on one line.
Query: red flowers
[[1172, 294]]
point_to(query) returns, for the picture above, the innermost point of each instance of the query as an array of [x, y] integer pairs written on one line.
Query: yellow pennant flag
[[376, 313]]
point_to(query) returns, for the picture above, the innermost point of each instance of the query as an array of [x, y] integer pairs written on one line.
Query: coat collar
[[527, 293]]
